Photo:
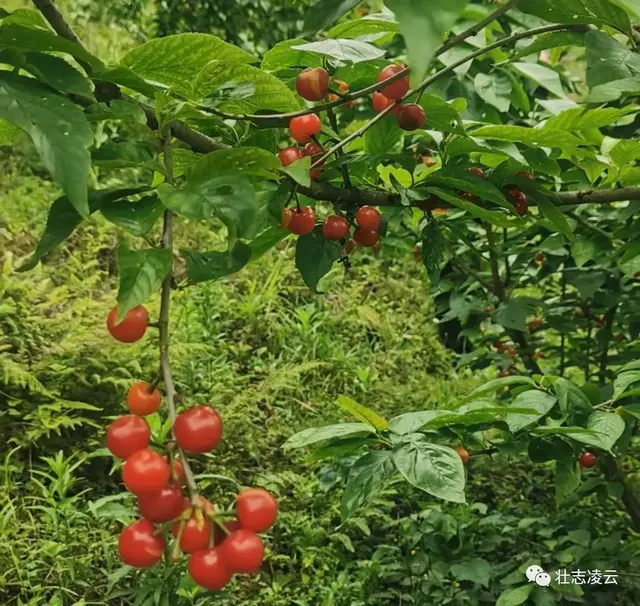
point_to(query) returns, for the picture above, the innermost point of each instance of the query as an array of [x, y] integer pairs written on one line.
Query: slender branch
[[343, 168], [465, 269], [598, 195], [498, 286], [474, 29], [165, 304], [604, 355], [443, 72], [562, 335]]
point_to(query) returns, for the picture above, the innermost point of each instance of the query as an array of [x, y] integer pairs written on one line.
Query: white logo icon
[[543, 579], [532, 572]]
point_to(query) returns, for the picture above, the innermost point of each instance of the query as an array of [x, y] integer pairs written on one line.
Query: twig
[[465, 269], [498, 286], [343, 168], [604, 356], [562, 335]]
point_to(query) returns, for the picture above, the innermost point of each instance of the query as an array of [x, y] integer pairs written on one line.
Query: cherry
[[302, 128], [126, 435], [289, 155], [132, 328], [468, 196], [396, 89], [343, 87], [587, 459], [139, 546], [141, 401], [208, 569], [313, 150], [256, 509], [366, 237], [539, 355], [527, 174], [303, 221], [539, 258], [499, 345], [410, 116], [489, 309], [368, 218], [313, 83], [380, 103], [519, 198], [193, 538], [463, 454], [162, 506], [477, 171], [243, 551], [512, 352], [534, 325], [198, 429], [220, 536], [145, 471], [428, 161], [287, 213], [335, 227], [504, 373]]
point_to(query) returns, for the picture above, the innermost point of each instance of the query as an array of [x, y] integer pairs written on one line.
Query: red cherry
[[198, 429], [302, 128], [138, 546], [256, 509], [132, 328], [335, 227], [396, 89], [368, 218], [519, 198], [313, 150], [141, 401], [477, 171], [410, 116], [365, 237], [380, 103], [193, 538], [243, 551], [343, 87], [587, 459], [489, 309], [126, 435], [463, 454], [303, 221], [428, 161], [208, 569], [313, 83], [527, 174], [219, 535], [289, 155], [163, 506], [145, 471]]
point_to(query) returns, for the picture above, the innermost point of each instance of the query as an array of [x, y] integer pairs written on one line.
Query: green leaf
[[513, 596], [366, 474], [315, 256], [9, 133], [328, 432], [557, 139], [28, 17], [608, 60], [583, 250], [378, 23], [587, 281], [123, 76], [423, 24], [573, 402], [512, 315], [343, 49], [434, 468], [226, 196], [248, 160], [383, 136], [549, 448], [138, 217], [432, 253], [121, 154], [35, 39], [283, 55], [440, 115], [63, 218], [623, 381], [492, 216], [579, 118], [544, 76], [632, 7], [537, 400], [59, 131], [547, 41], [476, 570], [325, 12], [495, 89], [609, 426], [597, 12], [551, 212], [141, 273], [177, 60], [213, 265], [411, 422], [299, 171], [116, 110], [362, 413], [266, 240], [567, 477], [611, 91], [497, 385]]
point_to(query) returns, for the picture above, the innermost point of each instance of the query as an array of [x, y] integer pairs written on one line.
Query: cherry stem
[[221, 524], [154, 384]]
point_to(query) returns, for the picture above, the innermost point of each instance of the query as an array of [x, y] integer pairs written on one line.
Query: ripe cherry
[[539, 258], [126, 435], [343, 87], [198, 429], [243, 551], [527, 174], [256, 509], [396, 89], [145, 471], [313, 83], [519, 198], [302, 128], [313, 150], [141, 401], [477, 171], [489, 309], [138, 546], [303, 221], [219, 535], [335, 227], [587, 459], [193, 538], [380, 103], [132, 327], [368, 218], [208, 569], [162, 506], [463, 454], [499, 345], [410, 116], [512, 352], [289, 155], [365, 237]]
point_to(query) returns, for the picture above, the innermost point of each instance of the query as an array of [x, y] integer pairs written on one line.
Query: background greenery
[[272, 357]]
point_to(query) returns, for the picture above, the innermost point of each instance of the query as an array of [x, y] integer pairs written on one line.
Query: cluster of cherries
[[514, 193], [218, 549]]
